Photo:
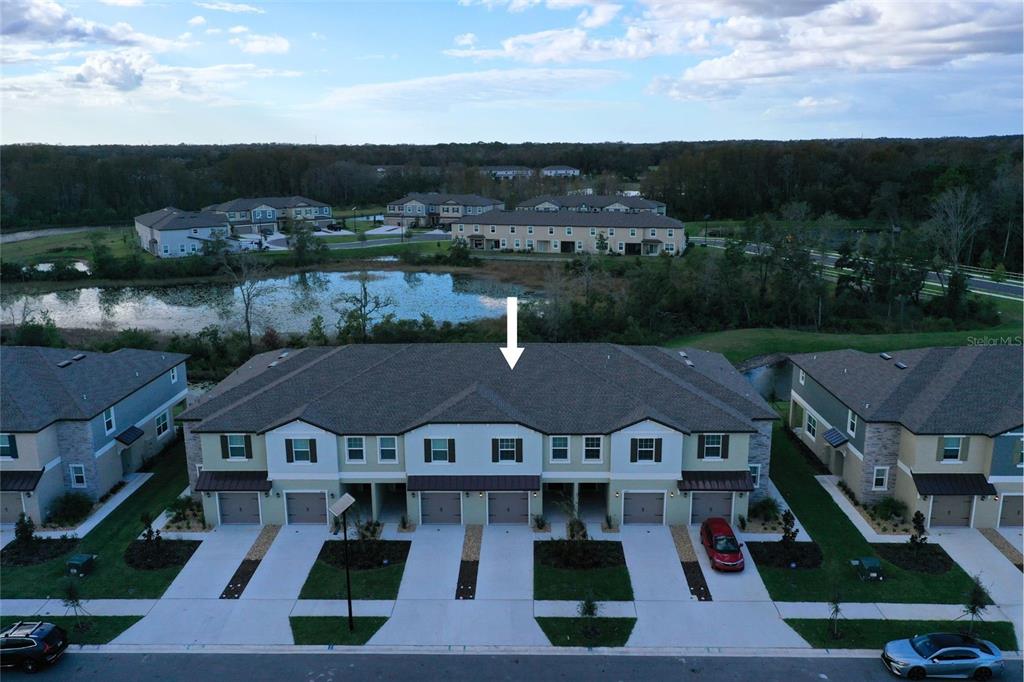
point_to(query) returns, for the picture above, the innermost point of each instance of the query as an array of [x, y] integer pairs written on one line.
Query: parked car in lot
[[720, 543], [30, 645], [942, 655]]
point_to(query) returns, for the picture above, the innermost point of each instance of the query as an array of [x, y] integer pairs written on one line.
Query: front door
[[126, 461], [838, 462]]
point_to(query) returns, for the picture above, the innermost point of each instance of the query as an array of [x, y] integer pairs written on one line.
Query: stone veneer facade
[[881, 449], [74, 443], [760, 452]]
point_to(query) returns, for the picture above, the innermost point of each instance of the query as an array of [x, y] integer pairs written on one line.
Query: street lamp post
[[340, 508]]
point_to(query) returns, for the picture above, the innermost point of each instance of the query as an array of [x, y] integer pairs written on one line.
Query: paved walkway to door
[[654, 567], [432, 567], [283, 571], [506, 563]]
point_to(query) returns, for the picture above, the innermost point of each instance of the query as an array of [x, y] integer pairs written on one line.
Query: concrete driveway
[[208, 571], [432, 568], [654, 566], [506, 563], [286, 565], [711, 624], [452, 622], [213, 621], [745, 586]]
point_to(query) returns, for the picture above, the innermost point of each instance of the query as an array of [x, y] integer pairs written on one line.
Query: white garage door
[[951, 510], [10, 507], [239, 507], [709, 505], [643, 507], [306, 507]]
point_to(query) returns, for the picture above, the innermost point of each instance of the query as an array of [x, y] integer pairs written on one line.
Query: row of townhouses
[[936, 428], [173, 233], [77, 421], [447, 433], [627, 234], [431, 209], [593, 203]]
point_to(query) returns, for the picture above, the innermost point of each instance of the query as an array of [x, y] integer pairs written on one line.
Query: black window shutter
[[289, 454], [632, 449], [700, 446], [725, 446], [451, 450], [657, 449], [312, 450], [248, 447], [426, 450], [224, 447], [519, 449], [494, 450], [13, 441]]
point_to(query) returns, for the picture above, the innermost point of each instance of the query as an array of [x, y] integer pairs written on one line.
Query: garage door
[[306, 507], [710, 505], [643, 507], [508, 508], [239, 507], [1013, 506], [440, 508], [951, 510], [10, 507]]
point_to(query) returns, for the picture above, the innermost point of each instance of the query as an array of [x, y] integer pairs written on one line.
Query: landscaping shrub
[[114, 489], [923, 558], [36, 550], [182, 506], [70, 509], [149, 555], [774, 555], [890, 508], [848, 491], [579, 554], [767, 509], [365, 554]]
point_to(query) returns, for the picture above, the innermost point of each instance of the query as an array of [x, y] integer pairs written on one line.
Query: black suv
[[30, 645]]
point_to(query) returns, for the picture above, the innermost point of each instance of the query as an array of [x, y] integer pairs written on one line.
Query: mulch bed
[[149, 556], [695, 579], [36, 552], [240, 579], [365, 554], [579, 554], [466, 587], [928, 558], [772, 554]]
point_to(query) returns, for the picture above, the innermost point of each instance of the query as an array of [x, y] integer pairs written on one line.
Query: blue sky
[[169, 71]]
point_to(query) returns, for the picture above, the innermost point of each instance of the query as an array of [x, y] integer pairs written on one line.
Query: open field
[[75, 246]]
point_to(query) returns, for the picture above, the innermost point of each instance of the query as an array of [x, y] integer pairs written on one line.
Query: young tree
[[789, 533], [249, 277], [317, 335], [71, 597], [602, 243], [976, 601], [920, 535], [356, 311], [955, 217], [24, 530], [835, 612], [306, 248]]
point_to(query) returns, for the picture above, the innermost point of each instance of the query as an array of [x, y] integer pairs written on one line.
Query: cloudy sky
[[168, 71]]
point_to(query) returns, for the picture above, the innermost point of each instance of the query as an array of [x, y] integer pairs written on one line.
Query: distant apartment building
[[430, 209], [506, 172], [593, 203], [174, 233], [627, 234], [559, 172], [267, 215]]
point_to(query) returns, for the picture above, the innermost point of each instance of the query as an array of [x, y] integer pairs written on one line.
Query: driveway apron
[[287, 563], [432, 567], [654, 567], [506, 563]]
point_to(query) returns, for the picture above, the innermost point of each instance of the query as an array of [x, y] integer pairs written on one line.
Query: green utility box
[[80, 565]]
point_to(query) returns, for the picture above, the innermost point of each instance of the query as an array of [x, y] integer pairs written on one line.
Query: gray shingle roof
[[245, 204], [437, 198], [573, 218], [171, 218], [593, 201], [36, 391], [963, 390], [555, 388]]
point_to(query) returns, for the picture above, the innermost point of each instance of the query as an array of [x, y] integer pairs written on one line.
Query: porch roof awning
[[129, 435], [19, 481], [953, 484], [720, 481], [232, 481], [652, 241], [481, 483], [835, 438]]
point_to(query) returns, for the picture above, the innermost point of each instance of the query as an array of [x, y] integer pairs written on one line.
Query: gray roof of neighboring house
[[171, 218], [492, 169], [574, 218], [36, 391], [445, 197], [962, 390], [559, 167], [243, 204], [555, 388], [593, 201]]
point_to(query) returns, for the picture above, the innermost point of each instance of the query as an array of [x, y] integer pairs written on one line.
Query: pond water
[[289, 307]]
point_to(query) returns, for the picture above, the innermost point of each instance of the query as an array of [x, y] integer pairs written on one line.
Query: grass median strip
[[588, 632], [873, 634], [95, 630], [377, 568], [579, 569], [334, 629]]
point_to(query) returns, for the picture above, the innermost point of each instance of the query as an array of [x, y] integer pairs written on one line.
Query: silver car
[[943, 655]]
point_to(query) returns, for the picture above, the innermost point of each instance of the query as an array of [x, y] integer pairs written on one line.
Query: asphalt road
[[453, 668], [389, 240]]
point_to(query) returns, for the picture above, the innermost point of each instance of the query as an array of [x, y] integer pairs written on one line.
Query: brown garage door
[[440, 508], [951, 510], [508, 507], [643, 507], [306, 507], [10, 507], [239, 507], [1013, 506], [710, 505]]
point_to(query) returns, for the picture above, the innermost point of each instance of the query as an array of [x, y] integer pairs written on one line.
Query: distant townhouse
[[506, 172], [174, 233], [447, 433], [593, 203], [937, 428], [267, 215], [430, 209], [559, 172], [80, 421], [627, 234]]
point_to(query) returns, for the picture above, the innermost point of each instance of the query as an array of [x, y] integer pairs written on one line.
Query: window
[[516, 244], [529, 229], [77, 472], [301, 450], [195, 230], [669, 248], [568, 232], [194, 248], [579, 247], [880, 478], [851, 422], [166, 249], [476, 229], [951, 448], [438, 449], [551, 230], [645, 449], [7, 446], [236, 447], [161, 424], [109, 424], [492, 229], [354, 449], [555, 245], [713, 446], [461, 228], [802, 377], [755, 475], [593, 232], [653, 232], [611, 231], [632, 232], [174, 375], [671, 232], [504, 243], [592, 448], [506, 449], [812, 426], [622, 246], [511, 229], [181, 248], [529, 243], [559, 448], [387, 448]]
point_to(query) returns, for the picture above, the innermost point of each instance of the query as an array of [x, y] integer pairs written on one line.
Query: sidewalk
[[828, 482]]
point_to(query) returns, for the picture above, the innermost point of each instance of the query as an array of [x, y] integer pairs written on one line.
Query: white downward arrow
[[511, 350]]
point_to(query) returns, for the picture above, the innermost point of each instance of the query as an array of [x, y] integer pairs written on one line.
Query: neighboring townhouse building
[[267, 215], [430, 209], [626, 234], [506, 172], [593, 203], [447, 433], [174, 233], [937, 428], [559, 172], [80, 421]]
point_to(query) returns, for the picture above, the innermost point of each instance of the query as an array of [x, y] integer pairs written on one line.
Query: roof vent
[[901, 365], [282, 355], [63, 363], [885, 356], [273, 364], [688, 361], [80, 356], [683, 353]]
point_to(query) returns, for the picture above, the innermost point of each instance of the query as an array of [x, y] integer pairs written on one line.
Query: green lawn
[[73, 246], [840, 541], [102, 629], [112, 578], [588, 632], [345, 238], [348, 213], [873, 634], [328, 582], [602, 584], [334, 629]]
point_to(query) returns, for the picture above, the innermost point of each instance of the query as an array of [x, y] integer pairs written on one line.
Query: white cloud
[[598, 15], [123, 3], [214, 31], [465, 39], [238, 29], [232, 7], [197, 20], [260, 44], [46, 21], [121, 70], [317, 36]]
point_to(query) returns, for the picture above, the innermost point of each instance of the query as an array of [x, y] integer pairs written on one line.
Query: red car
[[721, 545]]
